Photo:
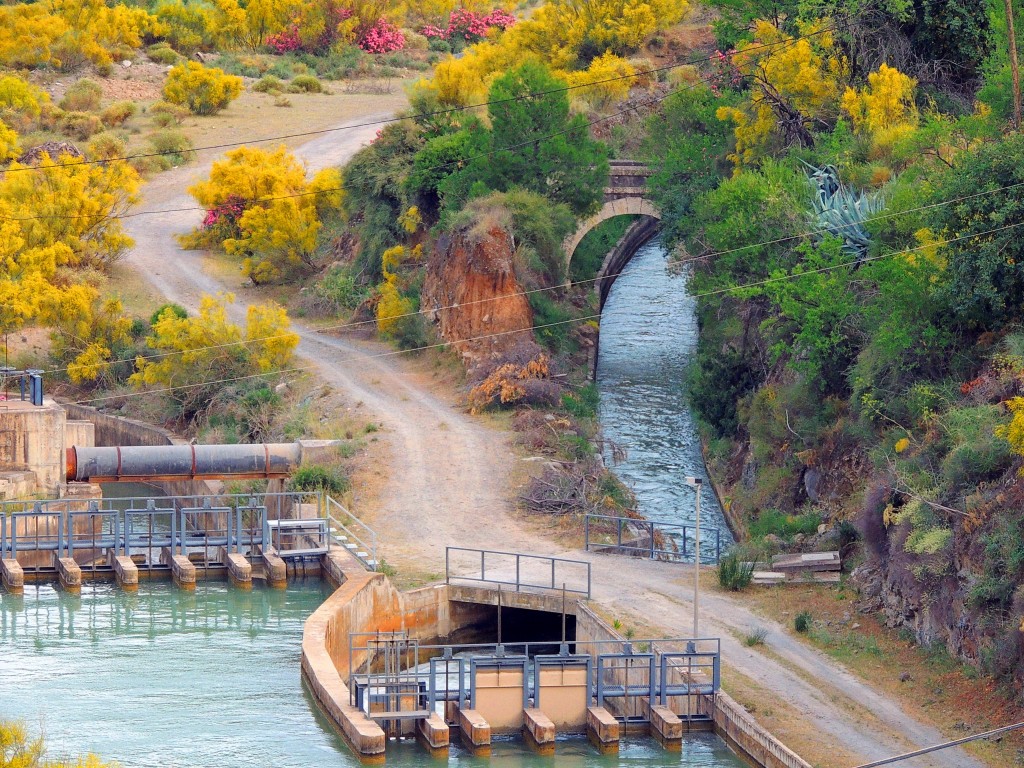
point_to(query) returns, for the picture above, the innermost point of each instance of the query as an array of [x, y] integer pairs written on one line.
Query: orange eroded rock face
[[471, 292]]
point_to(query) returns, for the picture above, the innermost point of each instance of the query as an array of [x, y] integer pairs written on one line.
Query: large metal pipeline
[[182, 462]]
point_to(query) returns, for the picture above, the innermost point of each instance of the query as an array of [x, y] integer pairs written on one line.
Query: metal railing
[[522, 571], [393, 677], [92, 531], [350, 532], [671, 542]]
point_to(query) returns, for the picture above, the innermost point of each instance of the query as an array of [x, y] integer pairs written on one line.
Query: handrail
[[518, 582], [368, 539], [651, 528]]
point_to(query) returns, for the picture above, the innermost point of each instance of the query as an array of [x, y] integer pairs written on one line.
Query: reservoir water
[[648, 337], [210, 679]]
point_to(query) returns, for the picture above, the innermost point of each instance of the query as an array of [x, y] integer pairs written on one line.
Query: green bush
[[82, 96], [268, 84], [595, 245], [551, 321], [734, 573], [118, 113], [582, 404], [80, 125], [337, 291], [162, 53], [314, 478], [105, 146], [176, 309], [411, 332], [803, 622], [172, 144], [305, 84], [771, 521], [166, 115]]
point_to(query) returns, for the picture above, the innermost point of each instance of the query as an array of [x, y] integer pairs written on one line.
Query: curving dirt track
[[449, 484]]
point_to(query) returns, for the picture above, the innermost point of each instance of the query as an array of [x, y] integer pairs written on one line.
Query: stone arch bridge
[[626, 194]]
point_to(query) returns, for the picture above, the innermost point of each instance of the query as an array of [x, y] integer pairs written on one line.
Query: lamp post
[[696, 483]]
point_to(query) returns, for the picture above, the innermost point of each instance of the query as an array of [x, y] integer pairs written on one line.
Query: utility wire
[[945, 745], [439, 112], [586, 318], [610, 275]]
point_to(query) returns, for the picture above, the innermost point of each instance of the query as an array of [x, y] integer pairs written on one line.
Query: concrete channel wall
[[732, 721], [368, 602]]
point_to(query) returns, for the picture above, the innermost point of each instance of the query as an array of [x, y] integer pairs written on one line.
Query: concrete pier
[[126, 572], [434, 731], [68, 572], [540, 728], [602, 727], [666, 724], [475, 729], [12, 575], [182, 571], [239, 569], [275, 568]]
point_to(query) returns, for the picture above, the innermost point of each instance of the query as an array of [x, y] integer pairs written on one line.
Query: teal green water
[[210, 679]]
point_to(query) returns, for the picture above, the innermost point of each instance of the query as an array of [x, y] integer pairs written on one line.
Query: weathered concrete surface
[[17, 484], [68, 572], [747, 736], [239, 570], [539, 726], [126, 572], [602, 726], [665, 723], [274, 568], [434, 731], [182, 571], [13, 576], [34, 442], [475, 729], [534, 601]]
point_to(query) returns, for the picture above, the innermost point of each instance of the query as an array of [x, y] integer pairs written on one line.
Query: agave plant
[[841, 211]]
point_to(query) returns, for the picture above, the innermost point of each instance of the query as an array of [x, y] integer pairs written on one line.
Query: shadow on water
[[648, 338]]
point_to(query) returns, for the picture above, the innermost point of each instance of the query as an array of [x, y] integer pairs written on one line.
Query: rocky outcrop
[[472, 293]]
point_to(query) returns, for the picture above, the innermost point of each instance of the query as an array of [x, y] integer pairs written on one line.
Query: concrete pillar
[[126, 572], [602, 727], [434, 731], [666, 725], [13, 576], [275, 568], [475, 729], [182, 571], [69, 573], [239, 569], [540, 728]]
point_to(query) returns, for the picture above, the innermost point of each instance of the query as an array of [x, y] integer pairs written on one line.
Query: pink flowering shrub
[[223, 220], [291, 39], [285, 41], [381, 37], [466, 27]]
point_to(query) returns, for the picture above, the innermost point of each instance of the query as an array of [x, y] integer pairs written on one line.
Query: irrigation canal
[[648, 338], [210, 679]]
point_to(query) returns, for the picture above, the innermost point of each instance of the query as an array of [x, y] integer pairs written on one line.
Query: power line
[[586, 318], [944, 745], [433, 113], [611, 275]]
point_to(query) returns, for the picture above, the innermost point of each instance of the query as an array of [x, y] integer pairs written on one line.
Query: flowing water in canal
[[164, 678], [648, 336]]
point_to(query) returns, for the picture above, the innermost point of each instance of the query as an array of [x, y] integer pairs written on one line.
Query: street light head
[[694, 481]]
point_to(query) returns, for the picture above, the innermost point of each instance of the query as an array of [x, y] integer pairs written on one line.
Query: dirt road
[[448, 483]]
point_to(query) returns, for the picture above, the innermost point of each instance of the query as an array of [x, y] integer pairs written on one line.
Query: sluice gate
[[543, 688], [183, 537]]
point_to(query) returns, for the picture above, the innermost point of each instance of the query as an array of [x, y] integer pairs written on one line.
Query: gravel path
[[449, 484]]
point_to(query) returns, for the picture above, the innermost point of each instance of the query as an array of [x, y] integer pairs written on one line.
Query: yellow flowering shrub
[[204, 90], [885, 108]]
